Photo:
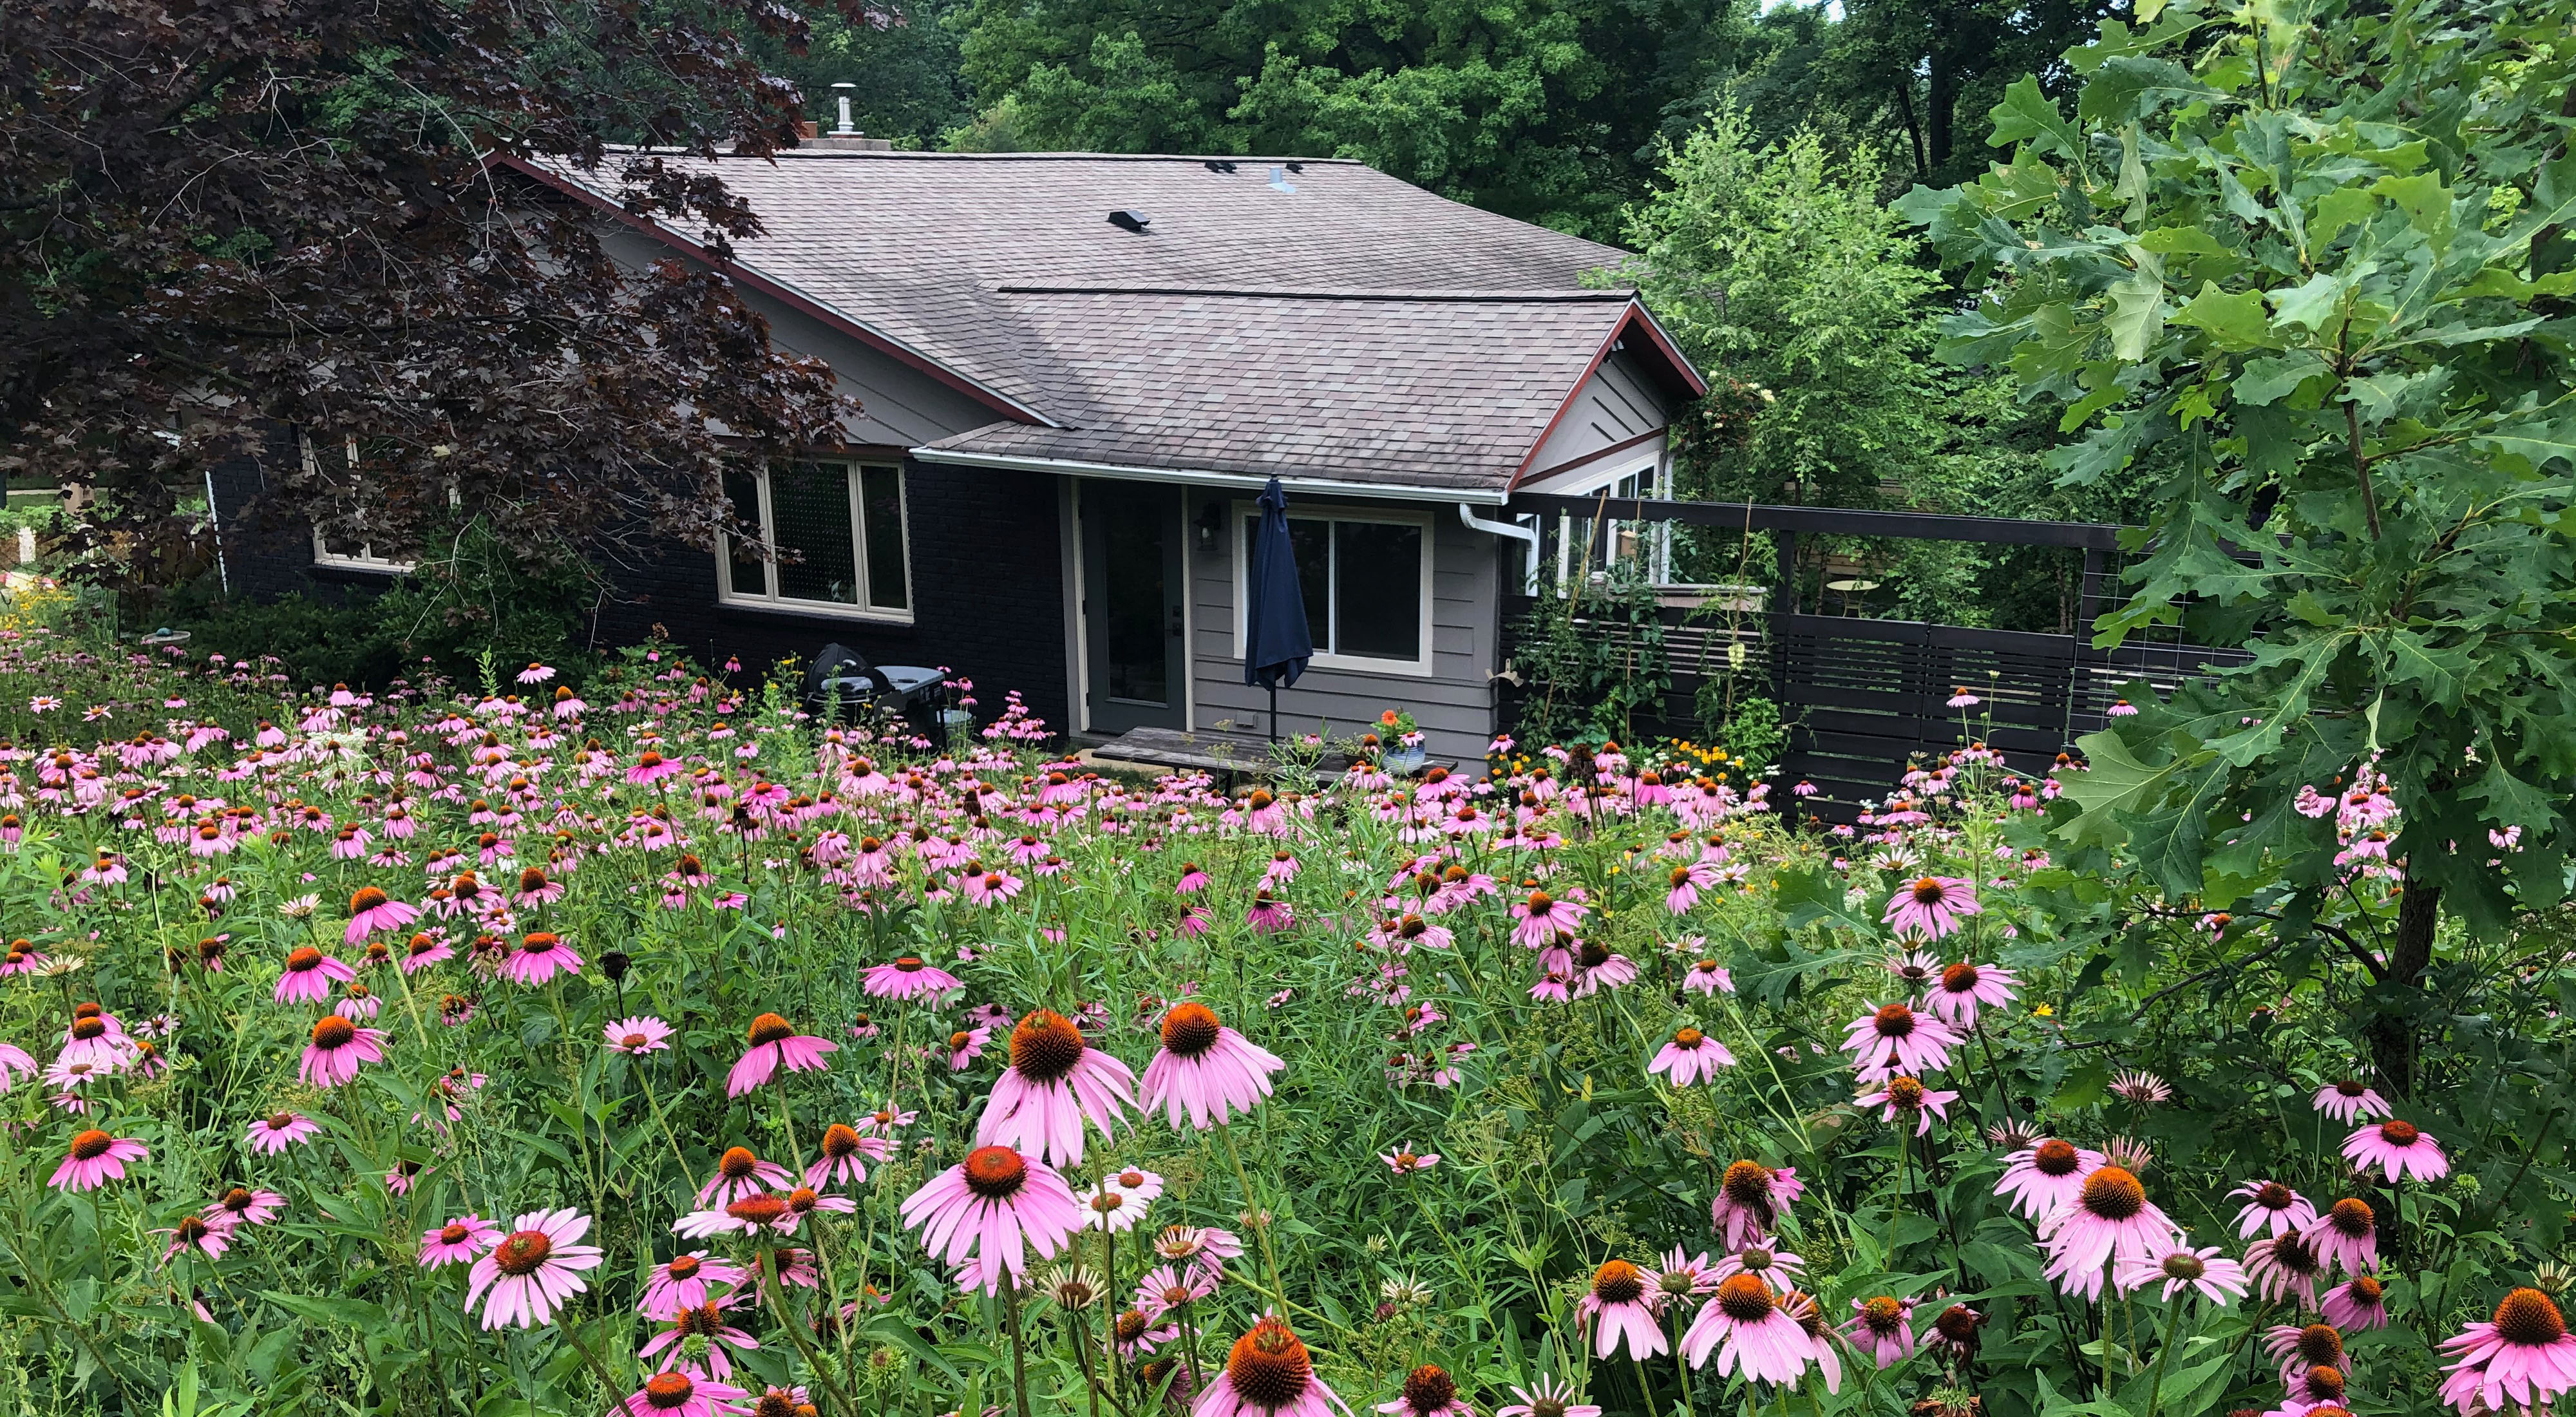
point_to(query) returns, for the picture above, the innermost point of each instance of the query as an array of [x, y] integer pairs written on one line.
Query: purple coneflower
[[371, 910], [775, 1042], [2345, 1235], [846, 1155], [1428, 1391], [533, 1271], [1883, 1329], [1168, 1287], [1405, 1161], [965, 1046], [1932, 907], [2270, 1205], [1903, 1096], [2046, 1176], [996, 1199], [2217, 1279], [1267, 1373], [1894, 1038], [684, 1392], [2360, 1302], [242, 1206], [2399, 1148], [459, 1241], [337, 1050], [1706, 977], [1205, 1069], [907, 978], [1055, 1082], [704, 1321], [2350, 1101], [2141, 1089], [638, 1035], [1543, 917], [2285, 1270], [1547, 1397], [2110, 1220], [309, 976], [2523, 1355], [2304, 1348], [94, 1159], [739, 1173], [276, 1132], [1963, 988], [195, 1232], [1749, 1331], [1691, 1056], [681, 1283], [541, 956], [1620, 1307], [1751, 1197]]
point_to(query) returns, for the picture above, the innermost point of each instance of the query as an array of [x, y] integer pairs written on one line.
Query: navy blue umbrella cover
[[1277, 643]]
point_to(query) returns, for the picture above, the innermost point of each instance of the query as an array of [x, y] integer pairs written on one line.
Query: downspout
[[1527, 536]]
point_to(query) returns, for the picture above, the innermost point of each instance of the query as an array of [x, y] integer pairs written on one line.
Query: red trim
[[1635, 315], [734, 270], [1597, 454]]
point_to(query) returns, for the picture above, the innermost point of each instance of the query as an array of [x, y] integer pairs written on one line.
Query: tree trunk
[[1913, 126], [2410, 953], [1938, 105]]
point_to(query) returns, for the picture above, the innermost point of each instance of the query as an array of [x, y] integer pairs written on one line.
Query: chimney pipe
[[845, 130]]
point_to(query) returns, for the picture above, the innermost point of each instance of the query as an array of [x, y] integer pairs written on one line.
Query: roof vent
[[1218, 164], [1126, 220], [1296, 167], [1279, 180]]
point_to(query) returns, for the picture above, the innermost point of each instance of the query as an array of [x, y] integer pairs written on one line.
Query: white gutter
[[1247, 482], [1528, 536]]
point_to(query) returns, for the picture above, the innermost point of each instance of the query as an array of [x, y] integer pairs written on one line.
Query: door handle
[[1176, 622]]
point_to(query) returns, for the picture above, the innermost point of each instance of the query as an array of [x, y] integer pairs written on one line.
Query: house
[[1078, 370]]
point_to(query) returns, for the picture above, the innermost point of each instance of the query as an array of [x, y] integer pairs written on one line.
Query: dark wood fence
[[1865, 697]]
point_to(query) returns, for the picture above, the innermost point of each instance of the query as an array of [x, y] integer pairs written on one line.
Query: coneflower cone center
[[1429, 1388], [2352, 1218], [1883, 1314], [2397, 1133], [839, 1140], [1131, 1326], [2055, 1158], [366, 899], [1748, 1183], [85, 1029], [685, 1267], [770, 1028], [2349, 1088], [1960, 978], [452, 1234], [333, 1032], [1618, 1282], [668, 1392], [1895, 1021], [303, 958], [532, 879], [634, 1040], [2319, 1344], [1688, 1037], [2528, 1319], [1593, 955], [91, 1144], [995, 1172], [2324, 1382], [1190, 1030], [238, 1198], [1930, 892], [2273, 1196], [2113, 1194], [2183, 1264], [1046, 1047], [2293, 1254], [699, 1320], [523, 1252], [1905, 1092], [1268, 1367], [758, 1210], [2367, 1289], [1745, 1298]]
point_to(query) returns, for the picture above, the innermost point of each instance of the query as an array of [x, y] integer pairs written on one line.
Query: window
[[342, 461], [840, 529], [1366, 579], [1645, 545]]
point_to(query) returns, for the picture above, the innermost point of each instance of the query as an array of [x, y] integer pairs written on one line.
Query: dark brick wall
[[266, 555], [987, 584]]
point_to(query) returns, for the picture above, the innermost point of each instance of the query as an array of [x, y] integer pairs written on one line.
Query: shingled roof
[[1355, 323]]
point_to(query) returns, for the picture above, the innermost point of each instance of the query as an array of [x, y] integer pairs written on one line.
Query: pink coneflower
[[1268, 914], [535, 889], [2109, 1220], [1691, 1056], [2216, 1278], [1055, 1082], [802, 1201], [907, 978], [2350, 1102], [1168, 1287], [1932, 907], [1136, 1335], [681, 1283], [965, 1046], [1204, 1070], [1598, 967], [2399, 1149], [242, 1206], [541, 956], [276, 1132], [535, 1270], [1120, 1201], [846, 1155], [94, 1159], [338, 1048], [2303, 1349], [1428, 1391], [1405, 1161], [1707, 977], [1905, 1097], [309, 976], [2524, 1354], [15, 1063], [1893, 1039], [2046, 1176], [424, 951], [1962, 988], [2345, 1235], [371, 910], [2141, 1089], [2269, 1205], [195, 1232], [1751, 1198], [1205, 1246], [739, 1173], [1192, 880], [1267, 1373], [1682, 1278], [1744, 1323], [2285, 1270], [774, 1042], [1547, 1397], [2360, 1302], [700, 1321], [638, 1035], [994, 1200], [1882, 1329], [458, 1241], [1620, 1307], [1685, 885], [1543, 917], [650, 767], [684, 1392]]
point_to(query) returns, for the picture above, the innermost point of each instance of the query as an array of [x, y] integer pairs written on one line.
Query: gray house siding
[[1618, 403], [1454, 704]]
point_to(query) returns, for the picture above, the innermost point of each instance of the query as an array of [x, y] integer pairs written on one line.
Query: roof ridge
[[916, 154], [1419, 295]]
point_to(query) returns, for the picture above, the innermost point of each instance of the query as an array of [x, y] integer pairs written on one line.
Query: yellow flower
[[2043, 1011]]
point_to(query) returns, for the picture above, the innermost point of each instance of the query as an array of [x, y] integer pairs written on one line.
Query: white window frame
[[773, 600], [1420, 667], [1649, 477], [364, 558]]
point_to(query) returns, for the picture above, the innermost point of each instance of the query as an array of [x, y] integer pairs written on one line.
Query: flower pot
[[1404, 762]]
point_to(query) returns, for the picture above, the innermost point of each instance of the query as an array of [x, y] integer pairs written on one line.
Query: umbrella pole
[[1274, 710]]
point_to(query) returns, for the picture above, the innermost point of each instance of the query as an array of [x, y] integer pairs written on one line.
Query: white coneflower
[[1073, 1287], [1405, 1291]]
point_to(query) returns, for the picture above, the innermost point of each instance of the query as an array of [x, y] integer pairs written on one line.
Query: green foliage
[[902, 63], [1592, 659]]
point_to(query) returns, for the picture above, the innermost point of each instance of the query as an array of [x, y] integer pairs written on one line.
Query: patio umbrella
[[1276, 641]]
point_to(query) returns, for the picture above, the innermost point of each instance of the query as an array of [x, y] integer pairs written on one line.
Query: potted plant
[[1403, 754]]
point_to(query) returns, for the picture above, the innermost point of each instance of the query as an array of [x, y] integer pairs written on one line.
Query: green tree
[[902, 65], [2314, 258], [1540, 109]]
